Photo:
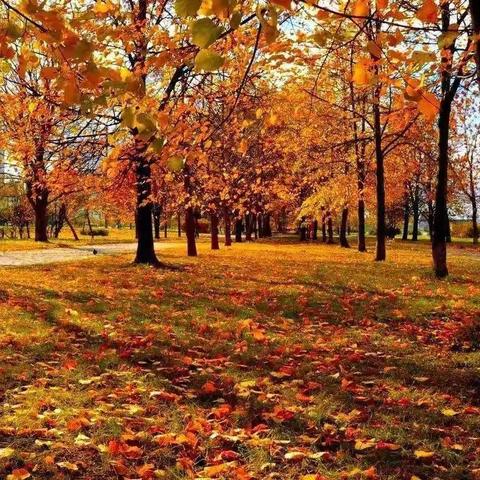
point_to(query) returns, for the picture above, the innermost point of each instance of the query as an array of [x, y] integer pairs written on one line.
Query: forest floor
[[269, 360]]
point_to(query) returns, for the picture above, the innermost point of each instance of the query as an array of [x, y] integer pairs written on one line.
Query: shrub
[[96, 232]]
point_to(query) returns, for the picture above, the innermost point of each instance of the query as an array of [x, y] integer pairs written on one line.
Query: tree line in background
[[244, 112]]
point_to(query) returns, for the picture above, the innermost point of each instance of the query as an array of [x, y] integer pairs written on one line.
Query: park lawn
[[268, 360]]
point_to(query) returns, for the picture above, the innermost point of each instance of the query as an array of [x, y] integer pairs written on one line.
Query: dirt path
[[54, 255]]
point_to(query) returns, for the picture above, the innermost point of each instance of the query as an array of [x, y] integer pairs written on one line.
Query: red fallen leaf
[[229, 455], [303, 398], [387, 446], [472, 410], [119, 467], [116, 447], [19, 474], [146, 471], [222, 411], [165, 396], [370, 473], [70, 364], [76, 424], [242, 474], [209, 388], [283, 414], [158, 293], [132, 452]]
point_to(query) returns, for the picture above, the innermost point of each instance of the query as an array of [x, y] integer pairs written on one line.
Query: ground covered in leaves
[[262, 361]]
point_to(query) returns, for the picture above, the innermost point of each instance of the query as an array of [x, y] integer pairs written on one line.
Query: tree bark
[[238, 229], [190, 231], [267, 229], [474, 221], [214, 231], [343, 229], [71, 227], [41, 219], [329, 228], [179, 224], [324, 228], [440, 218], [145, 244], [406, 216], [248, 227], [157, 212], [381, 253], [416, 213], [228, 228]]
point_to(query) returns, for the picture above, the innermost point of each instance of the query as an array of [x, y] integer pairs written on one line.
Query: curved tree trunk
[[71, 227]]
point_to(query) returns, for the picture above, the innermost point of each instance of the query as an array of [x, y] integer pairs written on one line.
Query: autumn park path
[[66, 254]]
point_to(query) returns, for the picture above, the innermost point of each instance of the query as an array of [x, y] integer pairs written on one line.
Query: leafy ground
[[262, 361]]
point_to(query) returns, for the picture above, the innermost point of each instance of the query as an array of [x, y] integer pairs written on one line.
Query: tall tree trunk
[[179, 224], [440, 218], [157, 212], [145, 245], [190, 231], [259, 220], [406, 216], [41, 219], [315, 229], [329, 228], [214, 231], [474, 221], [248, 227], [238, 229], [324, 227], [343, 229], [165, 228], [381, 253], [416, 213], [228, 228], [267, 229]]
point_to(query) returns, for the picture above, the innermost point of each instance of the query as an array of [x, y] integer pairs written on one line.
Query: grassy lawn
[[271, 360]]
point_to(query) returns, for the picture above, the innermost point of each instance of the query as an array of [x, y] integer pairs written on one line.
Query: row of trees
[[245, 111]]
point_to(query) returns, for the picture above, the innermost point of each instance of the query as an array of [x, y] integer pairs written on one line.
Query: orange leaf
[[283, 3], [361, 8], [428, 106], [428, 12]]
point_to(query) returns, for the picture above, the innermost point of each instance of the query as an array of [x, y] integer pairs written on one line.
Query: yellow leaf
[[365, 443], [428, 12], [423, 454], [448, 412], [361, 72]]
